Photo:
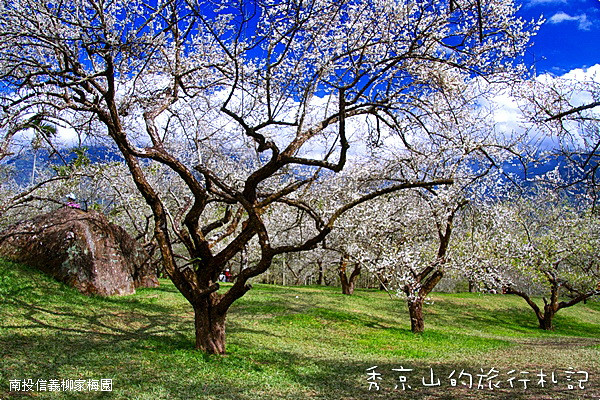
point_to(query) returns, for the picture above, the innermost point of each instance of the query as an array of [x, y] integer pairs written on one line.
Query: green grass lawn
[[286, 343]]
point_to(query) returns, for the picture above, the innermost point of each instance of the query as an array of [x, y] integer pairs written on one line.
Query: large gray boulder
[[82, 249]]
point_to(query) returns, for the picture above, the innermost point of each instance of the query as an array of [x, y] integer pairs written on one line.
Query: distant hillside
[[22, 164]]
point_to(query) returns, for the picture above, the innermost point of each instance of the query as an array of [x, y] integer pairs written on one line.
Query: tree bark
[[347, 287], [209, 326], [415, 298], [320, 277], [545, 319], [348, 283], [415, 310]]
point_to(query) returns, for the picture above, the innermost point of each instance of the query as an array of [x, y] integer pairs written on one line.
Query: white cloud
[[584, 23], [507, 110], [585, 74]]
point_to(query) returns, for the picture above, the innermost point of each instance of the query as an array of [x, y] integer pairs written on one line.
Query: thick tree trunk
[[415, 310], [348, 283], [545, 320], [347, 287], [551, 307], [210, 328], [471, 287], [320, 276], [427, 281]]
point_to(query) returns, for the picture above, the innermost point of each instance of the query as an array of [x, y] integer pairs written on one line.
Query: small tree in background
[[546, 238]]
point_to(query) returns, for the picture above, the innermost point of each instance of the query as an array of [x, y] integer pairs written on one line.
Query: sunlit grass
[[283, 342]]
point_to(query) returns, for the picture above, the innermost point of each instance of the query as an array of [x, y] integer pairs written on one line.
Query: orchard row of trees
[[263, 131]]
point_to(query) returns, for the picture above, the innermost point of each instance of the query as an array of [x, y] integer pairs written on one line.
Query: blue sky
[[570, 37]]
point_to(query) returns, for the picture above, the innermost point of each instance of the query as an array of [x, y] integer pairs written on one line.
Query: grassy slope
[[300, 342]]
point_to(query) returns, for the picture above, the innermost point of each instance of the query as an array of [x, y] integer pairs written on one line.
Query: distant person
[[227, 275], [72, 201]]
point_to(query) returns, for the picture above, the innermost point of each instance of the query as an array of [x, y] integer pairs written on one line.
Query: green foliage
[[283, 343], [81, 157], [95, 206], [41, 130], [62, 170], [80, 162]]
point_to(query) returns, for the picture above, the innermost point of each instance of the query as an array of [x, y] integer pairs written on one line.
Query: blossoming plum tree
[[551, 240], [246, 103]]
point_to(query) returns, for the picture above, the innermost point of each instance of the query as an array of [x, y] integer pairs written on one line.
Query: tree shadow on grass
[[177, 372], [123, 325], [510, 321], [284, 308], [152, 357], [30, 286], [147, 349]]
